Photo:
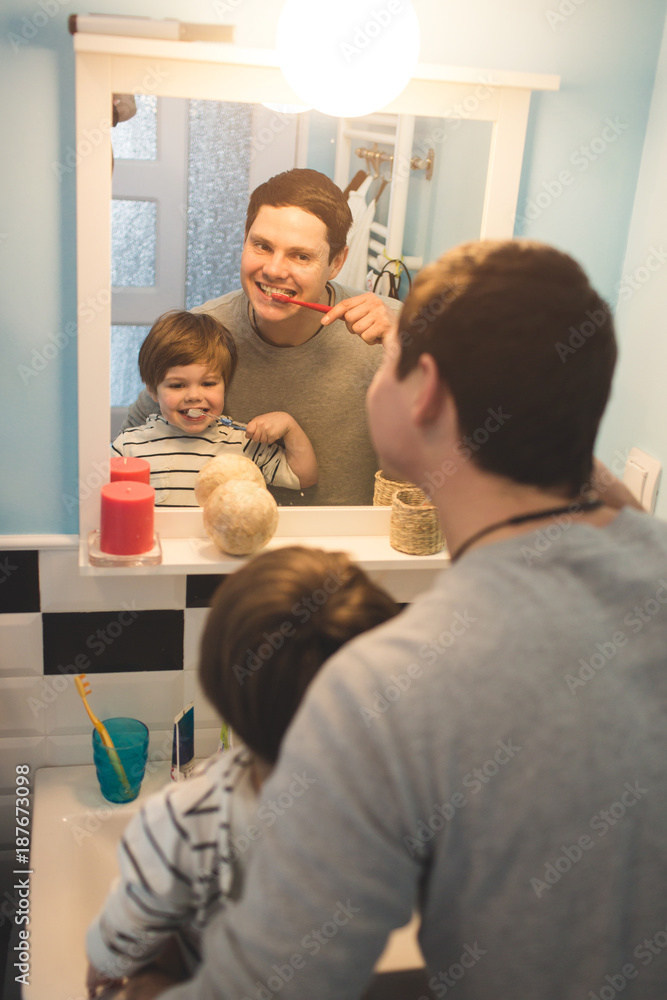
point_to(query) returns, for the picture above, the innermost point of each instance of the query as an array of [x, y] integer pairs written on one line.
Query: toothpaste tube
[[183, 750], [226, 742]]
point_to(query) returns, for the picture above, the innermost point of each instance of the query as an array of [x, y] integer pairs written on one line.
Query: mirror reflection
[[183, 174]]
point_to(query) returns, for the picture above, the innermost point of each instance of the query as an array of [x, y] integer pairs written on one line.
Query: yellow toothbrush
[[83, 687]]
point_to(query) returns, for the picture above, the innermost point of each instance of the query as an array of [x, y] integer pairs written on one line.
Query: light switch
[[634, 478], [642, 476]]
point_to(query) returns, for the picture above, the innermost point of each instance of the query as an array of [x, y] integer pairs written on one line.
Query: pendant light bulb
[[349, 59]]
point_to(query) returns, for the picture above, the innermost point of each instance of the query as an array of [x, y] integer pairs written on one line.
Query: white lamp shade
[[349, 58], [286, 109]]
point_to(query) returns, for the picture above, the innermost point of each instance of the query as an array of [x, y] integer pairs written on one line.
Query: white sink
[[75, 833]]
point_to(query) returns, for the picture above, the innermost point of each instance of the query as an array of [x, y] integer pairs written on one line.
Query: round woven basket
[[414, 527], [383, 493]]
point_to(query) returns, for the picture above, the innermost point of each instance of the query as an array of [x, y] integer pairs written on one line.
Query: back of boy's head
[[180, 338], [271, 626]]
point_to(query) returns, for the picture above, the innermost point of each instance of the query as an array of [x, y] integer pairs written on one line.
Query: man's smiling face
[[286, 250]]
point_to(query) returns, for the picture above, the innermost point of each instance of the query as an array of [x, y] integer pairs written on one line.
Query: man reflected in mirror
[[315, 365]]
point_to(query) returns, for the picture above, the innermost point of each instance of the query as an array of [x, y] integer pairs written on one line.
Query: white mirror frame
[[107, 64]]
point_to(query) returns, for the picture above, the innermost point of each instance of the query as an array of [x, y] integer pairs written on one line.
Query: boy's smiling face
[[186, 387]]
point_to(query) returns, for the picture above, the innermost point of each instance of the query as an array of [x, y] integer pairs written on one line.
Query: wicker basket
[[383, 493], [414, 527]]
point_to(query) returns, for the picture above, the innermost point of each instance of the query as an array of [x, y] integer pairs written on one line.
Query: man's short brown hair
[[271, 626], [311, 191], [184, 338], [516, 327]]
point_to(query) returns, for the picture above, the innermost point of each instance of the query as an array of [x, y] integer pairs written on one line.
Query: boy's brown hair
[[271, 626], [180, 338], [311, 191], [527, 348]]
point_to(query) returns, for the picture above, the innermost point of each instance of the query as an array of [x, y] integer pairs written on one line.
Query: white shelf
[[361, 532], [27, 542], [199, 555]]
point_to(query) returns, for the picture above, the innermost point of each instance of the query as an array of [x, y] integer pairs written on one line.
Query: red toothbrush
[[279, 297]]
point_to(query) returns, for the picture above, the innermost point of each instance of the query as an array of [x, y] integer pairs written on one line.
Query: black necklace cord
[[585, 505]]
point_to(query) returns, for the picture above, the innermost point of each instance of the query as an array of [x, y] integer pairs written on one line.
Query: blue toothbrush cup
[[130, 738]]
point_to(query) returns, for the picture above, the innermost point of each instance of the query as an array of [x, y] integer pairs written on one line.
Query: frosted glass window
[[136, 139], [218, 181], [133, 243], [126, 382]]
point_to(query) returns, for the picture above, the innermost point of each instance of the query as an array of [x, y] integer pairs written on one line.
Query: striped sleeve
[[174, 871], [272, 461]]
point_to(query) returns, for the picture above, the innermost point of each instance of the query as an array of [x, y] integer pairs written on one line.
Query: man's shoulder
[[631, 523]]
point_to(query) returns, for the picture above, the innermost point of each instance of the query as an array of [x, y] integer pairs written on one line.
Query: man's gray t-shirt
[[496, 753], [321, 383]]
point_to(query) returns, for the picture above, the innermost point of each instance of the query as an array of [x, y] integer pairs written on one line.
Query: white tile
[[78, 749], [160, 744], [62, 751], [206, 742], [22, 713], [65, 751], [21, 649], [56, 696], [15, 750], [62, 587], [154, 696], [194, 619], [206, 715]]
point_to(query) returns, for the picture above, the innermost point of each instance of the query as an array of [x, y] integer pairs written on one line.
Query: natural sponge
[[240, 517], [221, 470]]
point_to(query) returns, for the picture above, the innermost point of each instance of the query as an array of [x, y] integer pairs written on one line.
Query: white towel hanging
[[355, 268]]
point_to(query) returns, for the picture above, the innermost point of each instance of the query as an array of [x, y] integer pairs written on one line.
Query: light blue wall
[[606, 54], [637, 414]]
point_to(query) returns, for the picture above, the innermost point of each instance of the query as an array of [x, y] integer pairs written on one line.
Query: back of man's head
[[310, 191], [527, 349]]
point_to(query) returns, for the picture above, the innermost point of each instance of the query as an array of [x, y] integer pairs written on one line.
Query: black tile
[[19, 582], [408, 984], [112, 641], [200, 589]]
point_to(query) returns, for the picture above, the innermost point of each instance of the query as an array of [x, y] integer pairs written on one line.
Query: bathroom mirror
[[440, 98], [193, 165], [183, 174]]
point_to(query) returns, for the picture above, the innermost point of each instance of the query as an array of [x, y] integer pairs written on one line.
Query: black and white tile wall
[[136, 638]]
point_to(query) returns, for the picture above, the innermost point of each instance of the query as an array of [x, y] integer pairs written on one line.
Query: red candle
[[125, 467], [127, 515]]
